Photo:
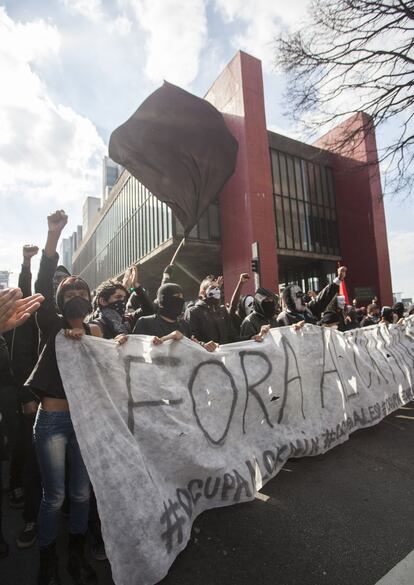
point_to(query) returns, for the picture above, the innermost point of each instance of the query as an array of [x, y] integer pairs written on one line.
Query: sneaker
[[98, 551], [28, 535], [16, 499]]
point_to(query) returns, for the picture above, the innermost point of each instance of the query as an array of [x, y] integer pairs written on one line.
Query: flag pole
[[181, 244]]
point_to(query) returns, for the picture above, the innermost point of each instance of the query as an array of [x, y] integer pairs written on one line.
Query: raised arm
[[244, 277], [25, 276], [44, 283]]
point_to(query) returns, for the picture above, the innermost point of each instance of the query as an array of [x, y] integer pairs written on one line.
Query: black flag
[[180, 148]]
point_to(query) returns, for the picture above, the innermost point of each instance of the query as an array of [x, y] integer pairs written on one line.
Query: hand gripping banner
[[169, 431]]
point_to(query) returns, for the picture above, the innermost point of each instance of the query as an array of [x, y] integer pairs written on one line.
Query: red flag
[[344, 292]]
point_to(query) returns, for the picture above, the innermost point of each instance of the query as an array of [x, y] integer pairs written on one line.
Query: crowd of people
[[47, 475]]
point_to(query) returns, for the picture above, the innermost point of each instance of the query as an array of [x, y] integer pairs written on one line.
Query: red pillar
[[246, 202], [361, 216]]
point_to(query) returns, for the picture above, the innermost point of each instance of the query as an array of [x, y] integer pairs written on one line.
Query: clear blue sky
[[73, 70]]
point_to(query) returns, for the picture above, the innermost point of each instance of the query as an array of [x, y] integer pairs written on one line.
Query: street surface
[[343, 518]]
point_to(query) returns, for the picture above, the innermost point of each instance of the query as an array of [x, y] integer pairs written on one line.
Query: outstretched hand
[[14, 310]]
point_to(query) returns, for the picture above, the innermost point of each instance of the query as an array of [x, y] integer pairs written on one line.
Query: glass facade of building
[[305, 205], [130, 227]]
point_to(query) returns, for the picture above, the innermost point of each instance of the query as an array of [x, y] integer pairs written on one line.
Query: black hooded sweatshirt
[[45, 379], [253, 323], [155, 324]]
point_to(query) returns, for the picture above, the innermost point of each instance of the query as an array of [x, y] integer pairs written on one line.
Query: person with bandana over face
[[166, 323], [209, 320], [299, 307], [263, 314], [54, 436]]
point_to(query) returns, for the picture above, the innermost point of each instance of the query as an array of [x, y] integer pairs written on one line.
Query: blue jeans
[[55, 439]]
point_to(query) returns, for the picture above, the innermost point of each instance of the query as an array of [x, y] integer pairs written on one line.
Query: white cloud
[[50, 156], [263, 21], [176, 33], [90, 9]]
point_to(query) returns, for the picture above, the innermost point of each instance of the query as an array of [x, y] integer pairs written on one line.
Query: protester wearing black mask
[[54, 436], [209, 320], [111, 300], [170, 303], [264, 313]]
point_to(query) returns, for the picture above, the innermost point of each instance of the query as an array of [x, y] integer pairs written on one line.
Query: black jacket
[[156, 325], [210, 323], [45, 379], [313, 310], [253, 323], [23, 343]]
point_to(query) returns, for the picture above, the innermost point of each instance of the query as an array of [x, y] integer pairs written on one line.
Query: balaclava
[[262, 305], [168, 305]]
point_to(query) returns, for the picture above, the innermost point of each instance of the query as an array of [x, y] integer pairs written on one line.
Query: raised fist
[[57, 221], [244, 277], [29, 251]]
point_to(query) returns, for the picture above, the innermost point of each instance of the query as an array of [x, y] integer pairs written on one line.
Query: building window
[[305, 206]]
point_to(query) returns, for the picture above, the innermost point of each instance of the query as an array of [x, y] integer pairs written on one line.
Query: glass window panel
[[295, 223], [298, 177], [214, 221], [311, 235], [303, 225], [318, 185], [203, 227], [276, 172], [331, 187], [288, 223], [305, 181], [311, 182], [281, 239], [324, 232], [324, 187], [283, 174], [291, 176]]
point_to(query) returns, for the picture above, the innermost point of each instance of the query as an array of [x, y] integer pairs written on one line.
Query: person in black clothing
[[115, 313], [208, 319], [387, 316], [372, 317], [300, 308], [170, 303], [24, 472], [263, 315], [398, 310], [54, 435], [14, 312]]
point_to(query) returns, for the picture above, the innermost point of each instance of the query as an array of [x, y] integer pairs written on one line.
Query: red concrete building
[[307, 207]]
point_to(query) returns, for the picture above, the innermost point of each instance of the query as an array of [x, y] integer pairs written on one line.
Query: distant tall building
[[4, 279], [111, 172], [68, 247], [90, 210]]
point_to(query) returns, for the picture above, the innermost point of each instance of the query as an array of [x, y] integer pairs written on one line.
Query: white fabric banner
[[169, 431]]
